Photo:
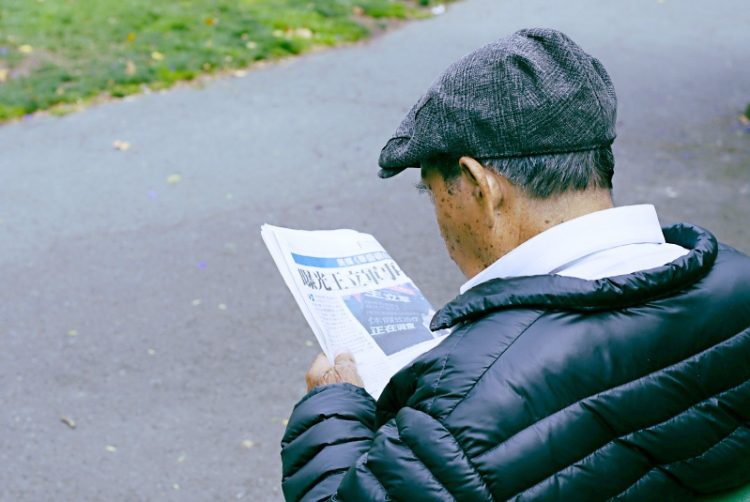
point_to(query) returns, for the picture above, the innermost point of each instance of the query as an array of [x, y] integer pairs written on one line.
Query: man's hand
[[321, 372]]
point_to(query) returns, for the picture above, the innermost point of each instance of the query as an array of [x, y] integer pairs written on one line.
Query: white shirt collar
[[553, 249]]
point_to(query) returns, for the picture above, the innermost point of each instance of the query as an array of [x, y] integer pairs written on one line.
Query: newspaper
[[355, 298]]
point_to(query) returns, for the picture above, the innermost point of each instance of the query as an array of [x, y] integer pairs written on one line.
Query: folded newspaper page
[[355, 298]]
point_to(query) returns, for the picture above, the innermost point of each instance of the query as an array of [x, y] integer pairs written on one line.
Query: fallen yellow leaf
[[72, 332], [173, 179], [69, 422], [131, 37], [26, 49], [120, 145]]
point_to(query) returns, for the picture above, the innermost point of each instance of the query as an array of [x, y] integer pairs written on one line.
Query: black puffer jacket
[[635, 387]]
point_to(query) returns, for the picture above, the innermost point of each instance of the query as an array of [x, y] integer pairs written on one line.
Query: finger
[[329, 377], [344, 358], [346, 369], [319, 367], [348, 373]]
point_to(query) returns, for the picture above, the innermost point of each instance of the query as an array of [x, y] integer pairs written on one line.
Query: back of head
[[534, 106]]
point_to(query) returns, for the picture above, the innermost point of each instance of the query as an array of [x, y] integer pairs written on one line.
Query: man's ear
[[486, 189]]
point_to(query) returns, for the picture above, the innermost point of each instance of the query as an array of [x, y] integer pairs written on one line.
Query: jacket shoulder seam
[[484, 372], [422, 462], [455, 440], [435, 385]]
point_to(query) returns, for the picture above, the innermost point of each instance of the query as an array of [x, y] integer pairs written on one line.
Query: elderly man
[[594, 355]]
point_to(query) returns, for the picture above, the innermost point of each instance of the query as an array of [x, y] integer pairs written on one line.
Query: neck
[[542, 214], [525, 217]]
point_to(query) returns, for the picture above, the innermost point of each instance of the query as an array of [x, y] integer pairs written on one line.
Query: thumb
[[318, 368]]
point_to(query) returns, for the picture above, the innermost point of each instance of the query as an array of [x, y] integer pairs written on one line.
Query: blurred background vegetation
[[57, 54]]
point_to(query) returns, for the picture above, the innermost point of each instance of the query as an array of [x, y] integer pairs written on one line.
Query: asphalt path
[[148, 347]]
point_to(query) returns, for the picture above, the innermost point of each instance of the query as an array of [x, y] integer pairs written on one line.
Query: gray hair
[[543, 176]]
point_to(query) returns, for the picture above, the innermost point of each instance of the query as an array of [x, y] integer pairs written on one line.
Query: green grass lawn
[[58, 53]]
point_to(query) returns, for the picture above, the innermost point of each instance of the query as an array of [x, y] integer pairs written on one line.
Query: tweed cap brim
[[390, 172]]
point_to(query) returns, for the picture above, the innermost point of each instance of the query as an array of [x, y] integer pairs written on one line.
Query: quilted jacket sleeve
[[328, 431], [330, 451]]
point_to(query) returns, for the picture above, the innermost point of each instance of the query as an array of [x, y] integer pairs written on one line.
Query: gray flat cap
[[535, 92]]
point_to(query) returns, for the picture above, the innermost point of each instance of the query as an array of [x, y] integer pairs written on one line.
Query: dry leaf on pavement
[[68, 421], [121, 145]]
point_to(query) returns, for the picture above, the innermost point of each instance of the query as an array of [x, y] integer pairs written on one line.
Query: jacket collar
[[568, 293]]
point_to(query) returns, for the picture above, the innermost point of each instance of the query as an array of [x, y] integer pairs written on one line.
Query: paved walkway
[[139, 304]]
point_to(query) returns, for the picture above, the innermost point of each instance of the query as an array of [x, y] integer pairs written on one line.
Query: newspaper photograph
[[355, 298]]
